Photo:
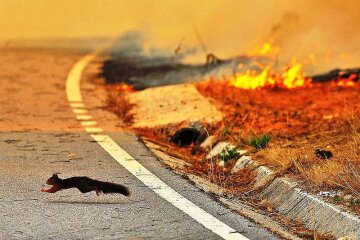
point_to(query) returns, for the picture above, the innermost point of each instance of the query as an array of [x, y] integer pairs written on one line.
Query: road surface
[[40, 135]]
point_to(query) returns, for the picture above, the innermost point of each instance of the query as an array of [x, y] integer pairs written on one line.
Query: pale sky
[[170, 19], [228, 27], [166, 21], [46, 18]]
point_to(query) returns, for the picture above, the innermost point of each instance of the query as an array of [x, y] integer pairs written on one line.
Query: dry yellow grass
[[340, 172], [119, 103]]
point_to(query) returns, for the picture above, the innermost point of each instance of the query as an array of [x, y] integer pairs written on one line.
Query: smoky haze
[[325, 32]]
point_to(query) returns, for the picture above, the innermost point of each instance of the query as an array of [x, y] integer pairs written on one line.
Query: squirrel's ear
[[55, 175]]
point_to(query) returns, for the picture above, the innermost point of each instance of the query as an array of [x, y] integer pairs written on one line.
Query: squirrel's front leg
[[50, 190]]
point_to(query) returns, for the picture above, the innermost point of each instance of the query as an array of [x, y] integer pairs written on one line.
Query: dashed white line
[[80, 111], [83, 117], [93, 130], [132, 165], [88, 123], [77, 105]]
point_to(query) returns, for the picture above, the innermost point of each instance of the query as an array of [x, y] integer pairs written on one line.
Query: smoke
[[322, 33], [327, 31]]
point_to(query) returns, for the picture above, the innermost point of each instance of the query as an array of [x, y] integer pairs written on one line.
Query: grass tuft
[[228, 154], [260, 142]]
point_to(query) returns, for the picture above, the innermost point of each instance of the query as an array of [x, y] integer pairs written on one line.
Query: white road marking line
[[80, 111], [89, 123], [93, 130], [134, 167], [73, 81], [77, 105], [83, 117]]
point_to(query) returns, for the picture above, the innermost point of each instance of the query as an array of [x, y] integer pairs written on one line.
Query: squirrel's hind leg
[[85, 189], [98, 191]]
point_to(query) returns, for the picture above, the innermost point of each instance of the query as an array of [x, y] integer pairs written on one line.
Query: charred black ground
[[336, 74], [143, 72]]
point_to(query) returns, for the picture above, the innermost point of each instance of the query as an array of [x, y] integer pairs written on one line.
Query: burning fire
[[347, 82], [267, 49], [292, 77]]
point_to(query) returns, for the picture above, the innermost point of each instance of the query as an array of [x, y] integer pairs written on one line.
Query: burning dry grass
[[283, 113]]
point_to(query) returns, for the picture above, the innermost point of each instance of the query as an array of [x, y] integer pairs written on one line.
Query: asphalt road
[[39, 135]]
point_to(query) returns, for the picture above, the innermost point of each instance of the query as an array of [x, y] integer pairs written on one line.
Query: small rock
[[323, 154], [345, 238], [242, 163], [195, 124], [221, 163], [263, 176], [209, 141], [242, 152], [327, 193], [348, 197], [217, 149]]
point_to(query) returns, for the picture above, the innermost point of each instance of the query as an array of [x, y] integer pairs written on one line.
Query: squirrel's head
[[53, 179]]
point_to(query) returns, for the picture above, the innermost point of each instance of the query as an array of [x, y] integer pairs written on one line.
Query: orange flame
[[347, 82], [292, 77], [252, 80], [267, 49]]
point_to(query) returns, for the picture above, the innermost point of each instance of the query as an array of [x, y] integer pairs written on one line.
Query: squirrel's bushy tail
[[107, 187]]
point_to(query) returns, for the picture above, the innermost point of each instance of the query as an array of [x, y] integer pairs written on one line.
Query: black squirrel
[[84, 184]]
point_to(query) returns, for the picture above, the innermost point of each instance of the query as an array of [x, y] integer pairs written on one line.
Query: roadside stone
[[217, 149], [242, 152], [221, 163], [313, 212], [205, 185], [195, 124], [208, 143], [327, 193], [173, 162], [345, 238], [348, 197], [244, 162], [278, 188], [263, 176]]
